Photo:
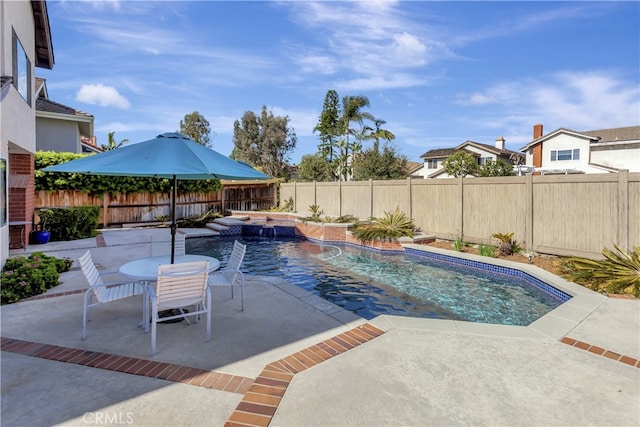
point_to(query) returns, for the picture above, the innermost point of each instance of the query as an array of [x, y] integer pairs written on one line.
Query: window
[[21, 70], [432, 164], [483, 160], [560, 155]]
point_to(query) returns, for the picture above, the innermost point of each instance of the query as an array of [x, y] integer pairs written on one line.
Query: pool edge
[[555, 324]]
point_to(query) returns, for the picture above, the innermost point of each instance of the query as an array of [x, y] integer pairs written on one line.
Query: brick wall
[[21, 195]]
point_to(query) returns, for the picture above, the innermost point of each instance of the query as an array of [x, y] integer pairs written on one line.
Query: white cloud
[[576, 100], [104, 96]]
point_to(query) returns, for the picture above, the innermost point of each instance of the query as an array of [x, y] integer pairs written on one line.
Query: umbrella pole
[[174, 193]]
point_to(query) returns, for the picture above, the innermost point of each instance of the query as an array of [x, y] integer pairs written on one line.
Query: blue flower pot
[[41, 237]]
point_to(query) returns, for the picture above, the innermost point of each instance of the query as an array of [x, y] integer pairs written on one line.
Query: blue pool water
[[370, 283]]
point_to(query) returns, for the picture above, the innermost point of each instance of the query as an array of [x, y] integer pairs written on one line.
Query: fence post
[[295, 196], [461, 204], [315, 193], [623, 209], [370, 198], [409, 198], [528, 213], [223, 194], [105, 209], [340, 198]]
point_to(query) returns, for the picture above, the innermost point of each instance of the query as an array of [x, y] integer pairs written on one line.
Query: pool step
[[230, 220], [217, 227]]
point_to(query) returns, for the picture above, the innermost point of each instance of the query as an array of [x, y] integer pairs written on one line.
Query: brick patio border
[[601, 351], [261, 396]]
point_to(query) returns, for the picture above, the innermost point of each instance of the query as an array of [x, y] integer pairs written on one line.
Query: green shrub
[[70, 223], [458, 244], [199, 221], [388, 228], [25, 277], [487, 250], [619, 272], [507, 246]]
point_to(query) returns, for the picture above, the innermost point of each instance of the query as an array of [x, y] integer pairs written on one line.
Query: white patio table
[[147, 269]]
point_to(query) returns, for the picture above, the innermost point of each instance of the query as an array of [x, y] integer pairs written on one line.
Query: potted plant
[[41, 235]]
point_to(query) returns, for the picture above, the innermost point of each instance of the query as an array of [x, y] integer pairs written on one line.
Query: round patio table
[[147, 268]]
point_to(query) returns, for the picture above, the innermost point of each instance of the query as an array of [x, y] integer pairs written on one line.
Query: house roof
[[629, 133], [43, 44], [413, 166], [438, 153], [489, 148], [48, 106], [41, 88]]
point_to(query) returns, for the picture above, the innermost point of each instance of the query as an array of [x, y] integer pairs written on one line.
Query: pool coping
[[556, 324]]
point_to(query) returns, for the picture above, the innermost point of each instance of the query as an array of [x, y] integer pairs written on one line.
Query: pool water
[[369, 283]]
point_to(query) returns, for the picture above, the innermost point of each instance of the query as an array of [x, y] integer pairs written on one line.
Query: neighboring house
[[433, 159], [61, 128], [594, 151], [25, 44]]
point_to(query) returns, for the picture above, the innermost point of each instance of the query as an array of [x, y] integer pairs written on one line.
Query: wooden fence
[[553, 214], [146, 207]]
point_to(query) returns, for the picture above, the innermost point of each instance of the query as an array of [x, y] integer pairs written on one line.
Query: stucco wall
[[57, 135], [17, 121], [617, 156]]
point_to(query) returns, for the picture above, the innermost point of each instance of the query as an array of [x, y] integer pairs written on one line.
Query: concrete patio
[[294, 359]]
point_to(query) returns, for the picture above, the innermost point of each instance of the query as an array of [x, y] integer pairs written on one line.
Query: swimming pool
[[369, 283]]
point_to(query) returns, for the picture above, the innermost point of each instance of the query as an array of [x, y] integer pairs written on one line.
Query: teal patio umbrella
[[170, 155]]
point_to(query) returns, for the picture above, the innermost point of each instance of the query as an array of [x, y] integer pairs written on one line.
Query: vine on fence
[[99, 184]]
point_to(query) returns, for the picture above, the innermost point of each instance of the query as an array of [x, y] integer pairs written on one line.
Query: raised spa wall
[[328, 232]]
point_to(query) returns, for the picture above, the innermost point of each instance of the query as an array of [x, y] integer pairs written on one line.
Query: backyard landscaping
[[550, 263]]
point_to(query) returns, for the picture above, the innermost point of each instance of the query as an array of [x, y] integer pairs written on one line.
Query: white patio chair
[[231, 275], [103, 291], [179, 286], [161, 246]]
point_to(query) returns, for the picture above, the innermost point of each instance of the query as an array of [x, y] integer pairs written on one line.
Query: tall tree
[[378, 133], [264, 142], [328, 126], [111, 142], [196, 127], [314, 167], [352, 112], [372, 164], [460, 164]]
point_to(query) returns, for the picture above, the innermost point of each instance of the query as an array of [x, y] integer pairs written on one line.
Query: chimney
[[500, 143], [537, 131]]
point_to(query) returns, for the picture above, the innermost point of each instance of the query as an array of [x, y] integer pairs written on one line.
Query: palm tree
[[378, 133], [111, 142], [351, 112]]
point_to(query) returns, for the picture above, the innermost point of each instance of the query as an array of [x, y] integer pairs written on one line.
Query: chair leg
[[86, 313], [153, 335], [209, 304], [241, 296]]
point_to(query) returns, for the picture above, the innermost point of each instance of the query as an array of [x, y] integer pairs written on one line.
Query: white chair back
[[93, 277], [179, 283], [237, 255]]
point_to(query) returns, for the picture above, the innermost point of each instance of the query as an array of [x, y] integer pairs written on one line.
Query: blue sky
[[439, 73]]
